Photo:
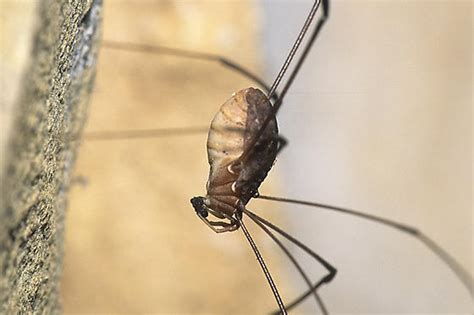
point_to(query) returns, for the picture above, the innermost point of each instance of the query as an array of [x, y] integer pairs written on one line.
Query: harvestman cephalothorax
[[237, 169]]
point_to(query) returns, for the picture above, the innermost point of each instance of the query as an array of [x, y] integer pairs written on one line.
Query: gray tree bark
[[50, 115]]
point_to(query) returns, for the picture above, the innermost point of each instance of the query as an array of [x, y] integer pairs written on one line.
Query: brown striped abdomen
[[230, 133]]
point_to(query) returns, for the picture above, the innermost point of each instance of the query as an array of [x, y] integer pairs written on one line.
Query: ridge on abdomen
[[225, 141]]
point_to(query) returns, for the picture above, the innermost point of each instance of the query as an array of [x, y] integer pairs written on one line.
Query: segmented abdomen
[[231, 133], [225, 140]]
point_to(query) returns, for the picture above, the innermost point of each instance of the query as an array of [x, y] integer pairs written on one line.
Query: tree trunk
[[50, 114]]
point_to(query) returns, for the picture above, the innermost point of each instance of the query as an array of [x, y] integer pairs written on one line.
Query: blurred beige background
[[16, 24], [134, 243], [379, 120]]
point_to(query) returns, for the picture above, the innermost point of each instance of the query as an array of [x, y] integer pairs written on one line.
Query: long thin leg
[[227, 63], [458, 270], [295, 47], [302, 58], [270, 281], [331, 270], [166, 132], [155, 49], [225, 227], [294, 261], [144, 133]]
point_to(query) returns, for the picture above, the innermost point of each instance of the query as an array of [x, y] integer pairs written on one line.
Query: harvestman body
[[233, 181], [242, 145]]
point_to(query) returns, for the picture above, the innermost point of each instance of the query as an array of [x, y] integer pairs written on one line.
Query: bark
[[50, 114]]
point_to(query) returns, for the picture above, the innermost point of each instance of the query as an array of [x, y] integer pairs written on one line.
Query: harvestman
[[243, 142]]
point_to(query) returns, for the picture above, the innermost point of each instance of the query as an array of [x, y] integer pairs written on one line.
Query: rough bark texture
[[49, 119]]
